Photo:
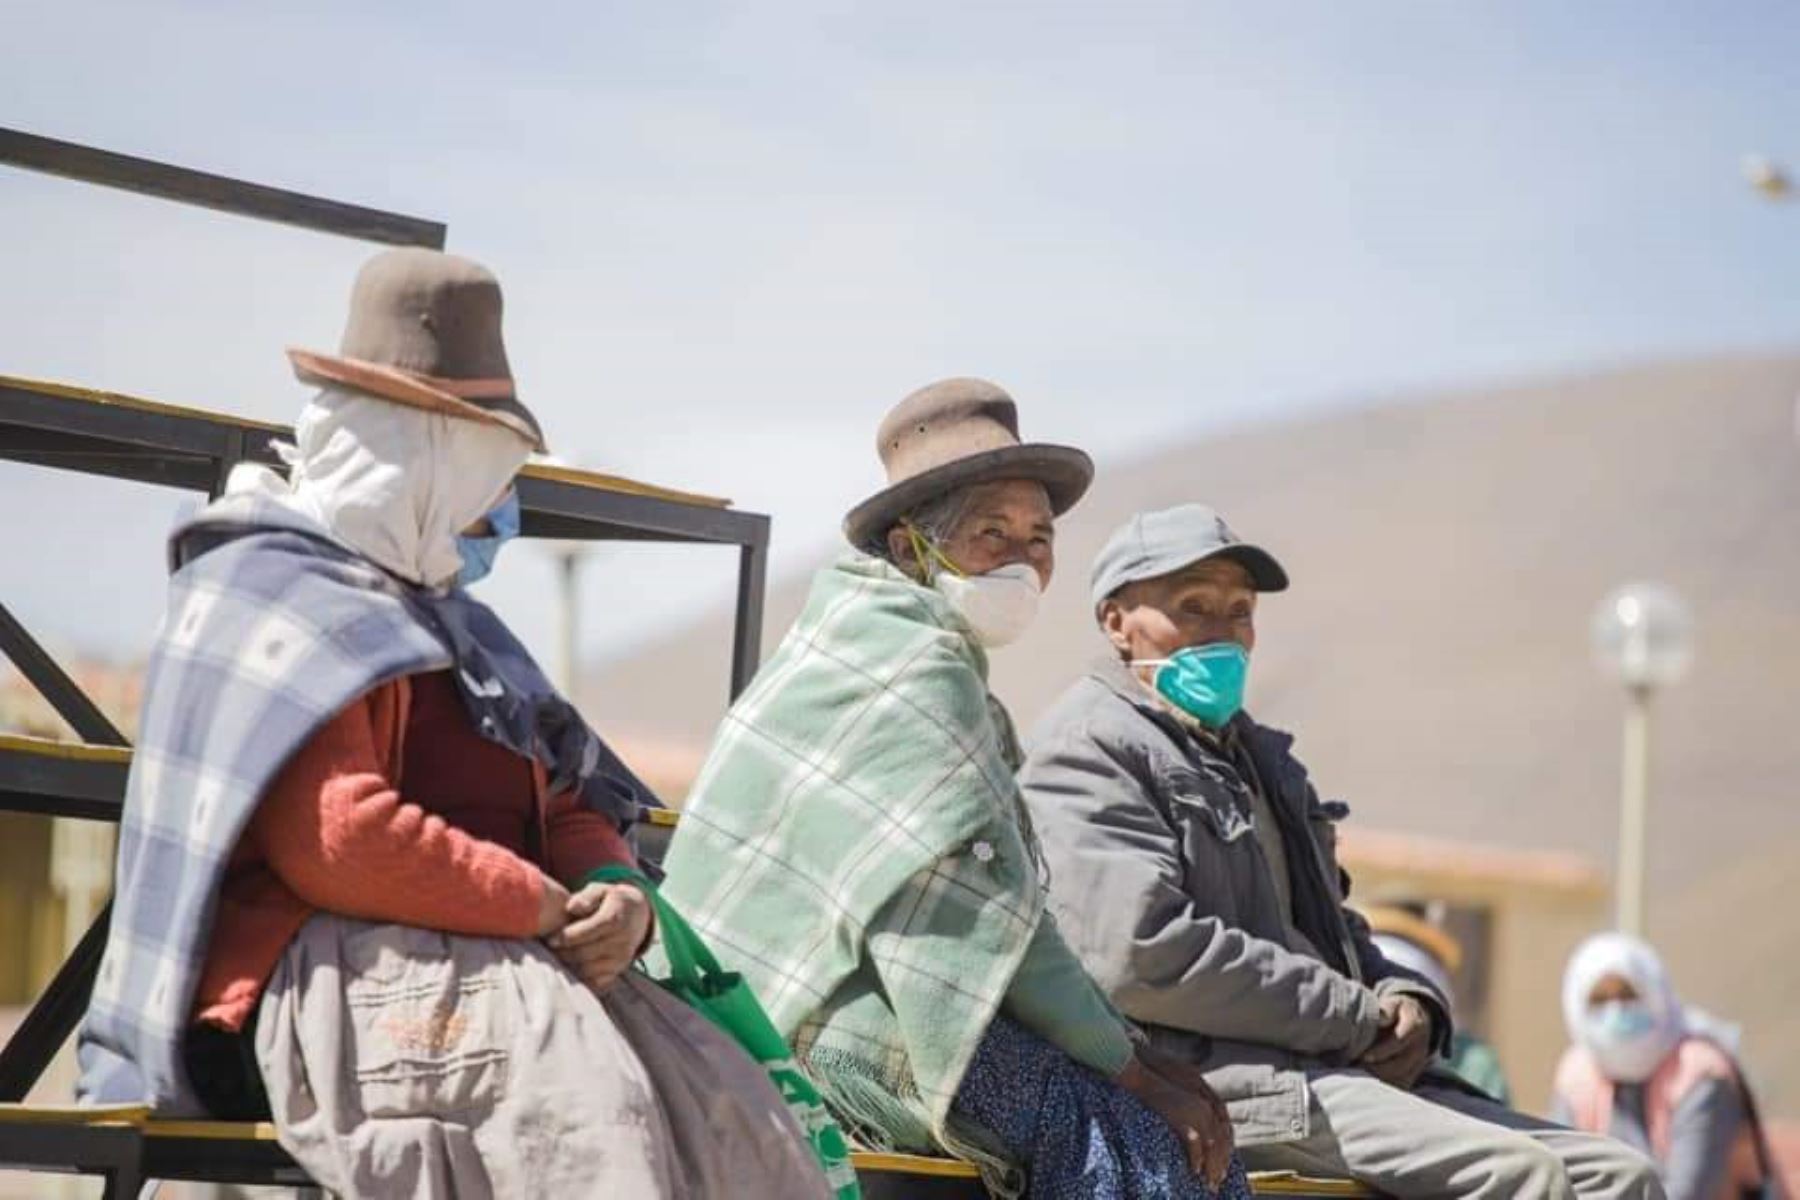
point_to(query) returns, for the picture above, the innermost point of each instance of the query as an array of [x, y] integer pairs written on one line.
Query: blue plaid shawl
[[272, 629]]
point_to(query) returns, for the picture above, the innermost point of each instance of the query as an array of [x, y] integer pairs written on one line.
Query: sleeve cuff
[[1443, 1029], [1103, 1049]]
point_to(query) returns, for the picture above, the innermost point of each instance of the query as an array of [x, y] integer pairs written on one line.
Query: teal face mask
[[1205, 682], [478, 553]]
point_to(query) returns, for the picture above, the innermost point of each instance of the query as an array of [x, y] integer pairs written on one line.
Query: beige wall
[[30, 913], [1538, 916]]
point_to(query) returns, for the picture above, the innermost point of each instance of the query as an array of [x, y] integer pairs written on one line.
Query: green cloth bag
[[722, 997]]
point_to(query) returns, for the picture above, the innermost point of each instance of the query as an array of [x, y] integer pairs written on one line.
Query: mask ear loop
[[925, 550]]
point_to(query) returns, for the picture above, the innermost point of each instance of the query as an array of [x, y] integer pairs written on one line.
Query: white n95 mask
[[999, 606]]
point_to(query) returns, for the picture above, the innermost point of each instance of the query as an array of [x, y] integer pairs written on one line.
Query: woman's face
[[483, 526], [1006, 522], [1610, 988]]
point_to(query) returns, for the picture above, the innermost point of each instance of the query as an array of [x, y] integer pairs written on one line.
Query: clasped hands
[[1178, 1093], [597, 932], [1403, 1048]]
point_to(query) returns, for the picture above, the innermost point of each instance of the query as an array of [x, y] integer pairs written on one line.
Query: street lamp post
[[1644, 637], [569, 556], [1634, 810]]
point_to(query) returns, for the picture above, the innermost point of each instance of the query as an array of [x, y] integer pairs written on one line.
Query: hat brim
[[1064, 471], [1265, 573], [390, 383], [1397, 922]]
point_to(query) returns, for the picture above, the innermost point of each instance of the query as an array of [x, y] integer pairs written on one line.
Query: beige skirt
[[405, 1062]]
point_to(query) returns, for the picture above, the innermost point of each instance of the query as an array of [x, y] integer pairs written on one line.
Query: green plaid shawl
[[856, 846]]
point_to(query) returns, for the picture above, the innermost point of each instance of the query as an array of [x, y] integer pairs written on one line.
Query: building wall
[[1534, 924], [30, 912], [1538, 934]]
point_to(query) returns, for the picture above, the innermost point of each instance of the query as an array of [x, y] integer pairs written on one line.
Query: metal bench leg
[[125, 1177], [113, 1152]]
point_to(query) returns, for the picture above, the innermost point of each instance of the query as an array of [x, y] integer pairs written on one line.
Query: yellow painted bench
[[193, 1149], [123, 1142]]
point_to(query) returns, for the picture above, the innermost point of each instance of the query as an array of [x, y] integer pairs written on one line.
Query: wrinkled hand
[[1403, 1050], [1179, 1094], [553, 908], [607, 924]]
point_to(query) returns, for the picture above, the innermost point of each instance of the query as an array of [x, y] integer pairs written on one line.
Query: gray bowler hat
[[954, 433], [1153, 544], [424, 331]]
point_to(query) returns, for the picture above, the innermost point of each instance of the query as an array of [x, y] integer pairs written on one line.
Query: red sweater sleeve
[[335, 830], [580, 840]]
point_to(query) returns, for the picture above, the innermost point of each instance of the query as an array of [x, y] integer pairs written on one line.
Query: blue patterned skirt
[[1078, 1136]]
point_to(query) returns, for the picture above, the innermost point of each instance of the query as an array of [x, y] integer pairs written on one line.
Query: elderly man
[[1194, 871]]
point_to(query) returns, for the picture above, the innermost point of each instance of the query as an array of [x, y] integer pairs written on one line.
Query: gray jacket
[[1158, 883]]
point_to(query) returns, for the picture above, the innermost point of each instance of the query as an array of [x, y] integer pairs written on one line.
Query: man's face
[[1211, 601]]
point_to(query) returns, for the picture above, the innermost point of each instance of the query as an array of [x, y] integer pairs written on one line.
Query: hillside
[[1446, 555]]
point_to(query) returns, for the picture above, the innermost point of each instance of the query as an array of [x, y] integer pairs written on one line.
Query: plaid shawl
[[272, 629], [855, 845]]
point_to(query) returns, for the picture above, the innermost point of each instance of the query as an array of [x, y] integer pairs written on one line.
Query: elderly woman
[[1658, 1076], [358, 805], [856, 846]]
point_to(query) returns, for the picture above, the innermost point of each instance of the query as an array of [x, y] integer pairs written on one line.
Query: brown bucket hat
[[424, 330], [953, 433]]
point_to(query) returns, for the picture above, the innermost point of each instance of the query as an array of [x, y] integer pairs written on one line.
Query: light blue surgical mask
[[478, 553], [1205, 682], [1621, 1021]]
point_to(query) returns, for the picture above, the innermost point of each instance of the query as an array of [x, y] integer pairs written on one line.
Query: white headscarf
[[1633, 1059], [395, 483]]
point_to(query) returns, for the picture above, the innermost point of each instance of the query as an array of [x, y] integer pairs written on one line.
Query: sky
[[732, 236]]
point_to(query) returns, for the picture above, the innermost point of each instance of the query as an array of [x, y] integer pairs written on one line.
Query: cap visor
[[1267, 574]]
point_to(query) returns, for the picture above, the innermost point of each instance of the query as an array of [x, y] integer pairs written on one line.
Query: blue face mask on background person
[[1205, 682], [478, 553], [1621, 1021], [1627, 1040]]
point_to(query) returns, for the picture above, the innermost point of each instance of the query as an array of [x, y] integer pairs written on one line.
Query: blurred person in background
[[1659, 1076], [1408, 939]]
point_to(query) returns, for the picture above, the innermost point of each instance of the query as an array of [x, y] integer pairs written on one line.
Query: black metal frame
[[121, 438], [114, 1152], [147, 177], [48, 426]]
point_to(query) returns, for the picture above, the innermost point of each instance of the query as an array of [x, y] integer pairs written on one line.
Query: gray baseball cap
[[1153, 544]]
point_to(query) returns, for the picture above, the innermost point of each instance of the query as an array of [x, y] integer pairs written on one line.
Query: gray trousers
[[1440, 1142], [401, 1062]]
